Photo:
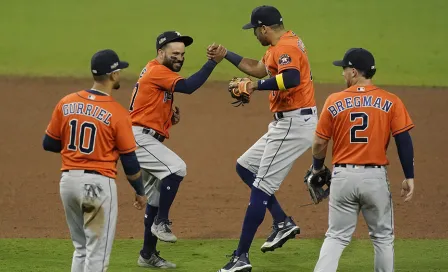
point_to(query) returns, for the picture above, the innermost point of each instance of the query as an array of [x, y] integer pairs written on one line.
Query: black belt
[[85, 171], [154, 134], [365, 165], [279, 115]]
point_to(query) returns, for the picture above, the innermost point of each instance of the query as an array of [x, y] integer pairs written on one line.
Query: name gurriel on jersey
[[80, 108], [362, 101]]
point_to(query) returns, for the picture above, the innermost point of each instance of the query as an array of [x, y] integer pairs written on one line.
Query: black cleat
[[237, 264]]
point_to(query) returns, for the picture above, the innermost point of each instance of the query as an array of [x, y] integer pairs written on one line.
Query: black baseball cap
[[358, 58], [264, 15], [172, 36], [106, 61]]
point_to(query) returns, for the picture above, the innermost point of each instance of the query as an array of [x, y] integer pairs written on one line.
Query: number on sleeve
[[134, 95], [363, 126], [84, 147]]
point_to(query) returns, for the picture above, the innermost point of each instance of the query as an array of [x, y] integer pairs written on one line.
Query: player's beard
[[116, 86], [173, 64]]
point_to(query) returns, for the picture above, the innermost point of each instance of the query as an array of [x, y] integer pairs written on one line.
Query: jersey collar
[[94, 96], [361, 89], [288, 33], [97, 92], [282, 37]]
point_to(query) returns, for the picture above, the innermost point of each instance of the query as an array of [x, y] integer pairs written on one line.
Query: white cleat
[[162, 231], [155, 261]]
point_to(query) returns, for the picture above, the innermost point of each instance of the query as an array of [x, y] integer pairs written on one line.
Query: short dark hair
[[161, 48], [368, 74], [365, 74], [101, 78], [164, 47], [277, 26]]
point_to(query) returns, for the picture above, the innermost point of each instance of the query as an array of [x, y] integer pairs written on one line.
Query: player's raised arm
[[248, 66], [195, 81]]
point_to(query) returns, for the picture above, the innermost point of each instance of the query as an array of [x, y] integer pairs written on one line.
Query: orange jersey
[[290, 53], [93, 130], [360, 121], [152, 98]]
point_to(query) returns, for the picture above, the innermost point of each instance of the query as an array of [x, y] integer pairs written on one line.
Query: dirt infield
[[210, 137]]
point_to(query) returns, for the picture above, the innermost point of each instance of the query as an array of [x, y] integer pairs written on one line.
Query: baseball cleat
[[281, 233], [237, 264], [162, 230], [155, 261]]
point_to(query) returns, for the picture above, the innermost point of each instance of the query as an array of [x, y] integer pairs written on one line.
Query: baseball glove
[[238, 90], [175, 118], [316, 182]]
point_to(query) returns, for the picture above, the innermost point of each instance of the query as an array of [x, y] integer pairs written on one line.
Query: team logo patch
[[284, 59]]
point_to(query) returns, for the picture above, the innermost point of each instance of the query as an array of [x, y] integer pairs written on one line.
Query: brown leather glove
[[238, 88], [175, 118]]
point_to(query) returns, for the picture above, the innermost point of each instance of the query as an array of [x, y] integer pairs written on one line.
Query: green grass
[[57, 38], [200, 256]]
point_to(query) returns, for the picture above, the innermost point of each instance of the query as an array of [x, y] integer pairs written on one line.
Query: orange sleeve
[[287, 57], [325, 125], [401, 121], [164, 78], [124, 137], [54, 127]]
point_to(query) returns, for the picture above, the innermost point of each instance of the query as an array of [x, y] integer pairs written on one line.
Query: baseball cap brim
[[339, 63], [123, 64], [249, 26]]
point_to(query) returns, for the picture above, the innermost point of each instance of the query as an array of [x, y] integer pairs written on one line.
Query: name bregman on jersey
[[88, 110], [362, 101]]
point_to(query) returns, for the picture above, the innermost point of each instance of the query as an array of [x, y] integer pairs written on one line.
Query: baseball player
[[291, 93], [152, 114], [91, 130], [360, 120]]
